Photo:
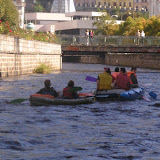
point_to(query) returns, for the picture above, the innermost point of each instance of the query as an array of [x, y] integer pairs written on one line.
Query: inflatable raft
[[46, 100], [119, 94]]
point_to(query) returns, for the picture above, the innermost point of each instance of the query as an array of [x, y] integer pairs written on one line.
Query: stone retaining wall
[[19, 56], [142, 60]]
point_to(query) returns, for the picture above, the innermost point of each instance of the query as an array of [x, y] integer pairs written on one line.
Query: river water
[[98, 131]]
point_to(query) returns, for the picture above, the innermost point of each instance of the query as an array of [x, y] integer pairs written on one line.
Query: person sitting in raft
[[122, 80], [48, 89], [71, 94], [105, 81], [114, 74], [133, 78]]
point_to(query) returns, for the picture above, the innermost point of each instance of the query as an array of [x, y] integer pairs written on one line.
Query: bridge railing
[[109, 40]]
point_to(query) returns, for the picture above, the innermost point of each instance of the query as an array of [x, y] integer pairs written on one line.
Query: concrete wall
[[19, 56]]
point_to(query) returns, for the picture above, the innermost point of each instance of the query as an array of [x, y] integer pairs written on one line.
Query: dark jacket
[[50, 91]]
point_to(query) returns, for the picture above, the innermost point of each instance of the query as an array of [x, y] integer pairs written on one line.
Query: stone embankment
[[19, 56]]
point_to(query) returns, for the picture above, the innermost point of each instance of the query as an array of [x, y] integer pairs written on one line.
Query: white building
[[20, 5], [73, 23], [65, 23], [45, 21], [154, 9]]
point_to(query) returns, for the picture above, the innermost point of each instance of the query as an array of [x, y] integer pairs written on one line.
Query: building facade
[[90, 3], [20, 5], [142, 5], [154, 9], [122, 4]]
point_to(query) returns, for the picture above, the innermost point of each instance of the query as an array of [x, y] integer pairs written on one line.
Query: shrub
[[43, 68]]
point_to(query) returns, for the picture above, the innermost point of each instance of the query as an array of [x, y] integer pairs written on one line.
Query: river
[[99, 131]]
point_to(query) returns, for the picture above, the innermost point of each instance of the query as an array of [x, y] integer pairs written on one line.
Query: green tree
[[152, 27], [8, 12], [130, 26], [38, 7], [101, 23]]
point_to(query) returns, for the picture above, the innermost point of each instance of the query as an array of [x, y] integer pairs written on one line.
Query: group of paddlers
[[67, 92], [120, 79]]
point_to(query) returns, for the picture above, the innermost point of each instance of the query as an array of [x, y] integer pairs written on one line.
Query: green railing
[[110, 40]]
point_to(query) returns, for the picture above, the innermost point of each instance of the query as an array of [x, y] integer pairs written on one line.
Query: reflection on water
[[98, 131]]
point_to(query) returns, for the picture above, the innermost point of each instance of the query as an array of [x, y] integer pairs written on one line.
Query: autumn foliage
[[150, 26]]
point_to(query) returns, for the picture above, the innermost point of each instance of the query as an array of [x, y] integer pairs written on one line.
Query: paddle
[[147, 99], [152, 94], [92, 79], [18, 100]]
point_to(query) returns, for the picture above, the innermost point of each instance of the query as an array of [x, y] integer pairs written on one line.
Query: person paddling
[[133, 77], [122, 80], [105, 80], [48, 90], [69, 92], [114, 74]]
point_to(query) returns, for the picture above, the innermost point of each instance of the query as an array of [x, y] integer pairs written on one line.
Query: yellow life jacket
[[105, 81]]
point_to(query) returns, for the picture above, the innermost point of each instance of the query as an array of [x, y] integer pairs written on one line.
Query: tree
[[101, 23], [38, 7], [8, 12], [153, 26]]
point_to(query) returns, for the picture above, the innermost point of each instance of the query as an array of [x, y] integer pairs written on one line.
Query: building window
[[137, 1], [124, 4], [120, 4], [130, 4], [114, 4], [99, 3], [109, 4], [146, 1], [104, 3], [92, 4]]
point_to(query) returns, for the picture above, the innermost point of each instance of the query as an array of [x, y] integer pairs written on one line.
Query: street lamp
[[131, 14], [114, 16]]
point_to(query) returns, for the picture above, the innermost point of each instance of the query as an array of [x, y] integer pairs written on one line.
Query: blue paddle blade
[[153, 95], [92, 79]]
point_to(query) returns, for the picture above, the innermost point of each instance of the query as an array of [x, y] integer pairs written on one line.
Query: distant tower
[[63, 6]]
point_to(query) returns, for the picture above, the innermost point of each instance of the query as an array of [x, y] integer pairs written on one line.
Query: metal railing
[[110, 40]]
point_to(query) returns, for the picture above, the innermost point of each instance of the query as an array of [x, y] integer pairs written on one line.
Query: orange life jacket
[[114, 74], [129, 74]]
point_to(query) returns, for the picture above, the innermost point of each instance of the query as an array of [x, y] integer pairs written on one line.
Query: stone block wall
[[143, 60], [19, 56]]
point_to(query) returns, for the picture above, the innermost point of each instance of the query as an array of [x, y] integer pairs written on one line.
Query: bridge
[[122, 51], [101, 49]]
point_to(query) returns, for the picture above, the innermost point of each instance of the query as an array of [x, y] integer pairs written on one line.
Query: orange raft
[[46, 100]]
